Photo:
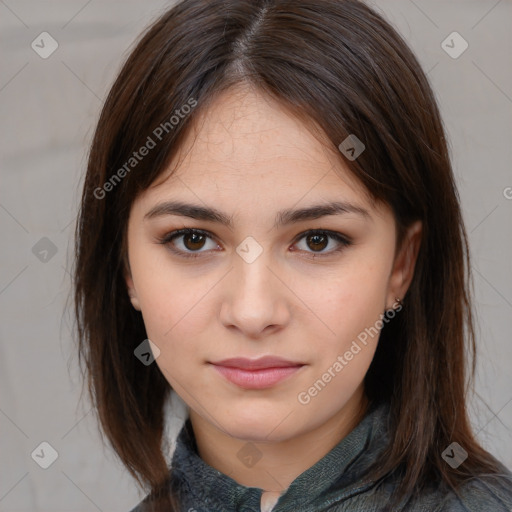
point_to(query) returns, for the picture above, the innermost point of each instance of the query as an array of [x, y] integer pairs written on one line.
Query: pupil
[[194, 237], [316, 242]]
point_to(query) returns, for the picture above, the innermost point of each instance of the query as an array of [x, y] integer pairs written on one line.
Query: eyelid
[[343, 240], [171, 235]]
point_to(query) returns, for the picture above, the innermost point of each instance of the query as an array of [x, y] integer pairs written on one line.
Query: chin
[[262, 426]]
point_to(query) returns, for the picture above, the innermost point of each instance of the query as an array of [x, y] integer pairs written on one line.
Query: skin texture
[[299, 299]]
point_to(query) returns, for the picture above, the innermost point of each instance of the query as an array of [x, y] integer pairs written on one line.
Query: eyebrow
[[283, 217]]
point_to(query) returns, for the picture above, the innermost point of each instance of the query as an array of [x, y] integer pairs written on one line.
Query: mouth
[[261, 373]]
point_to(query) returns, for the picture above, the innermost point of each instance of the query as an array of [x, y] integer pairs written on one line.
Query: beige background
[[48, 110]]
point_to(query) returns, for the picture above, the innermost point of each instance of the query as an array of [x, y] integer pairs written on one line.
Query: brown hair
[[341, 66]]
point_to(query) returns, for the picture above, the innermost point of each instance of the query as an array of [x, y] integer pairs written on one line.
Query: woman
[[269, 199]]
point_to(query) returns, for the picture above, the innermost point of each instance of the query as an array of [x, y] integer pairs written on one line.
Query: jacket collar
[[339, 473]]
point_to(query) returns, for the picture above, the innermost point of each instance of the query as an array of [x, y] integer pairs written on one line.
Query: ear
[[130, 286], [403, 266]]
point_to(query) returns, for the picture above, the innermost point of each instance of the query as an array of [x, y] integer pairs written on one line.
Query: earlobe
[[403, 270], [131, 288], [135, 301]]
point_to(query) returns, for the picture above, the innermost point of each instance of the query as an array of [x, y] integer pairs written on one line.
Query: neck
[[280, 462]]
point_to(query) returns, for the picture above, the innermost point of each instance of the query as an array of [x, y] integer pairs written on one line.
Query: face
[[252, 279]]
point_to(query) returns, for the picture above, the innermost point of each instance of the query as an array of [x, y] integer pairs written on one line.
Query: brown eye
[[188, 242], [193, 241], [317, 242]]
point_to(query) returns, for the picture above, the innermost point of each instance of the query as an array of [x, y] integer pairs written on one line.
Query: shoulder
[[480, 495]]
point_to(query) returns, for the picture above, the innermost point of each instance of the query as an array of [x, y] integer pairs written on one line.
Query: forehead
[[246, 138], [250, 158]]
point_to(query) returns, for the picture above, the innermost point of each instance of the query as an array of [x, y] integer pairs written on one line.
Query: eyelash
[[169, 237]]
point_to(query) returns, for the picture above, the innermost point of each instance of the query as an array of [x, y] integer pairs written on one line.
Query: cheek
[[173, 303], [175, 320], [349, 302], [172, 308], [351, 307]]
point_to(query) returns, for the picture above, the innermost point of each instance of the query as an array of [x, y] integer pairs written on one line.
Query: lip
[[261, 363], [261, 373]]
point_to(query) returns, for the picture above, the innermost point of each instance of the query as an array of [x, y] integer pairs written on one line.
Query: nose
[[255, 299]]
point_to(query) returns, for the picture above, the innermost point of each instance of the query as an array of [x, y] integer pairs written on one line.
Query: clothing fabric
[[335, 483]]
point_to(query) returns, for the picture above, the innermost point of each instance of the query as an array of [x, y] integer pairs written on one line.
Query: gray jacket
[[335, 483]]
